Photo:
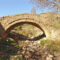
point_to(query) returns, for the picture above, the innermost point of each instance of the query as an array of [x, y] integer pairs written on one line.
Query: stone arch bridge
[[9, 22]]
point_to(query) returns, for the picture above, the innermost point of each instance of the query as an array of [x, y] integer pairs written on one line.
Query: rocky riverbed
[[27, 50], [32, 50]]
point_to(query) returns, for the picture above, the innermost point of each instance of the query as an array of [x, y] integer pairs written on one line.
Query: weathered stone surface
[[46, 22]]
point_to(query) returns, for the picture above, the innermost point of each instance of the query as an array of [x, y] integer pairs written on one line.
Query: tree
[[47, 4]]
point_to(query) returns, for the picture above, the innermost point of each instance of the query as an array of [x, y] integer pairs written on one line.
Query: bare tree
[[47, 4]]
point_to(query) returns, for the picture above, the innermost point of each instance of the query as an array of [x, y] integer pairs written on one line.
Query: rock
[[49, 57], [34, 51]]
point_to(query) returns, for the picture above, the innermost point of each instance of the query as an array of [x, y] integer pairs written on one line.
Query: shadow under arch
[[32, 23]]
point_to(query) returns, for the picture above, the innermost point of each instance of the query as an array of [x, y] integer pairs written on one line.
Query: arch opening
[[21, 23], [31, 23]]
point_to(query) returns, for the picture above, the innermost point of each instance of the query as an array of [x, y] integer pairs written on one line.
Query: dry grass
[[53, 46]]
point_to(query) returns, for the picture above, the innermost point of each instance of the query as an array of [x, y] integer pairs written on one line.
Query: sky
[[11, 7]]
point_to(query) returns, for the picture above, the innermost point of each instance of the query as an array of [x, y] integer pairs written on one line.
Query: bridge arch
[[11, 22], [25, 22]]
